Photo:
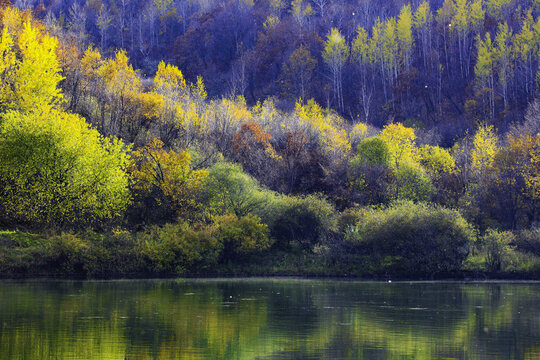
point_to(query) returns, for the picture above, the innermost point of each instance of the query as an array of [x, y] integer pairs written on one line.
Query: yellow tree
[[390, 49], [404, 35], [400, 142], [525, 45], [162, 178], [169, 84], [29, 70], [411, 181], [326, 126], [122, 85], [503, 57], [335, 54], [361, 52], [423, 19], [484, 148], [498, 9], [516, 169], [56, 171], [376, 52], [301, 11], [484, 70], [444, 18]]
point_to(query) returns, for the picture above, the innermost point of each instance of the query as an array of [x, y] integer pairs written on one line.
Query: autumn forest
[[317, 137]]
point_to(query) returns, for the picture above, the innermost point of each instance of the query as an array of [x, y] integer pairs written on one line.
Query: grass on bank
[[147, 254]]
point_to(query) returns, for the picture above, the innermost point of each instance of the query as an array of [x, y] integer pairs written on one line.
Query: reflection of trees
[[267, 319]]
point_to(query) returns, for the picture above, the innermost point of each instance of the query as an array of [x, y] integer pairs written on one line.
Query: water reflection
[[268, 319]]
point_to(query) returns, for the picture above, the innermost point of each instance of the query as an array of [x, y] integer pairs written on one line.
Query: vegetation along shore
[[118, 159]]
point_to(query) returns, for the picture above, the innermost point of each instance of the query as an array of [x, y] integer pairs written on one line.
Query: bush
[[231, 191], [241, 235], [369, 172], [498, 249], [529, 241], [422, 238], [304, 220], [348, 218], [412, 183], [177, 248], [93, 254], [373, 151]]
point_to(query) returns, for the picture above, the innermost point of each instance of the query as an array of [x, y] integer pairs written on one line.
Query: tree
[[304, 221], [77, 22], [524, 47], [461, 24], [165, 180], [241, 235], [436, 160], [169, 83], [497, 246], [444, 17], [57, 172], [103, 22], [412, 183], [503, 58], [404, 35], [253, 150], [484, 148], [122, 85], [369, 171], [29, 71], [230, 190], [484, 70], [293, 153], [362, 54], [335, 55], [400, 142], [423, 19], [301, 12], [297, 73], [498, 8], [516, 182], [390, 49]]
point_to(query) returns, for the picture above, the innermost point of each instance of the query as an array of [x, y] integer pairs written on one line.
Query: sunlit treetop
[[484, 147], [400, 141], [29, 68]]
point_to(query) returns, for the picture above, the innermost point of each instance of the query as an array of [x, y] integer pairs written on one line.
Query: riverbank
[[124, 255]]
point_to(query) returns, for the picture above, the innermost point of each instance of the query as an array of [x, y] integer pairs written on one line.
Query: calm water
[[268, 319]]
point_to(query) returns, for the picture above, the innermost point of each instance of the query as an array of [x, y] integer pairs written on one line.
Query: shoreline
[[462, 277]]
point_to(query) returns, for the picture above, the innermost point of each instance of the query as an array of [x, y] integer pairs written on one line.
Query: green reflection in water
[[268, 319]]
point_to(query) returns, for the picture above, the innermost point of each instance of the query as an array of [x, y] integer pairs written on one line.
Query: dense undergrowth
[[405, 241]]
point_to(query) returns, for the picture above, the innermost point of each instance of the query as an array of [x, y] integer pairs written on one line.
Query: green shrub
[[241, 235], [498, 249], [230, 190], [177, 248], [93, 254], [529, 241], [412, 183], [426, 238], [304, 221], [372, 151], [369, 172], [349, 218]]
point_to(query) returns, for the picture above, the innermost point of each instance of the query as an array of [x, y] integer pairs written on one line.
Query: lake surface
[[268, 319]]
